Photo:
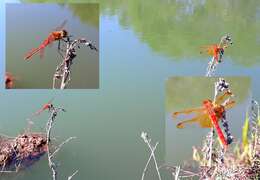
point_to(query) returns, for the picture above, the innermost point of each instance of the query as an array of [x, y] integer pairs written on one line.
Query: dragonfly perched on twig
[[209, 114], [217, 50], [56, 35], [48, 106]]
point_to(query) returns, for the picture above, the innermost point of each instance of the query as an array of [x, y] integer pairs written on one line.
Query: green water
[[107, 128], [142, 43]]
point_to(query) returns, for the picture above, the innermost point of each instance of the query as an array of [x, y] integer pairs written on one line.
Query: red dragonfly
[[56, 35], [217, 50], [214, 50], [46, 106], [9, 80], [209, 114]]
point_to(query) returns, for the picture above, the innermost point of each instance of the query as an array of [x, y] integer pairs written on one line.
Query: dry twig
[[54, 111], [63, 71], [152, 148]]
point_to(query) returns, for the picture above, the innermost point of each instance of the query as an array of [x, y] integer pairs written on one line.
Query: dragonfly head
[[64, 33], [50, 106]]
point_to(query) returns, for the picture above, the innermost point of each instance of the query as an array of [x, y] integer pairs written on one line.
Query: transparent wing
[[230, 104], [61, 26], [42, 53], [189, 111], [198, 119], [209, 49], [51, 100], [205, 121], [220, 99]]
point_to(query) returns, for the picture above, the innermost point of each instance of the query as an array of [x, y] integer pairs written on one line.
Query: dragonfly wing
[[41, 53], [229, 104], [189, 121], [205, 121], [209, 49], [60, 27], [51, 39], [204, 49], [215, 55], [220, 99], [189, 111], [37, 113], [48, 41], [51, 100]]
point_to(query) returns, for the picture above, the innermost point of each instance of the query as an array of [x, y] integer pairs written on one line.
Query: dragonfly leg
[[59, 45], [59, 50]]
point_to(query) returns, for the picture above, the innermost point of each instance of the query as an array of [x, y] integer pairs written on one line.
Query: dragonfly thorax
[[64, 33], [219, 111], [59, 34]]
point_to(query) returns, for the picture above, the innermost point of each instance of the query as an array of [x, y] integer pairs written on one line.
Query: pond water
[[142, 43]]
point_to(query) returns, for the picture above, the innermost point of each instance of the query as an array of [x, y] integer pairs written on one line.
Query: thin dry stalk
[[54, 112], [152, 148], [63, 70]]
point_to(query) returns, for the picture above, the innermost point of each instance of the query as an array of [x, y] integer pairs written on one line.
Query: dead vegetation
[[62, 75], [23, 150]]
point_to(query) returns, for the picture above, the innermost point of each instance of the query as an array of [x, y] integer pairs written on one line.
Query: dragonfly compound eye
[[65, 33]]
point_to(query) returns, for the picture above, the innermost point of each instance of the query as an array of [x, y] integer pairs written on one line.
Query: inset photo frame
[[52, 46]]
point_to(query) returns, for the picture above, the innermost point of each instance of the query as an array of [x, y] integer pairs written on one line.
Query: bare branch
[[70, 177], [54, 111], [60, 146], [63, 70], [146, 166], [146, 139]]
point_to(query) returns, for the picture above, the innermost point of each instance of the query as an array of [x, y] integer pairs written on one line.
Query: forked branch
[[54, 112], [63, 71]]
